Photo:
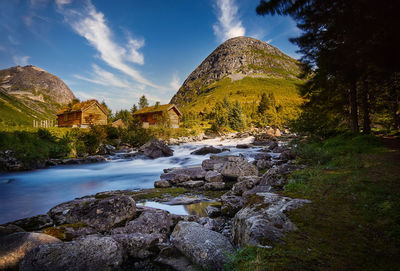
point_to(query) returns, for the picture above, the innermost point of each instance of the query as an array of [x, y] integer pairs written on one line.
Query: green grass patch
[[353, 222]]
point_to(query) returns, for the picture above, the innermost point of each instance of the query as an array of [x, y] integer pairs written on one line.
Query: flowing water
[[26, 194]]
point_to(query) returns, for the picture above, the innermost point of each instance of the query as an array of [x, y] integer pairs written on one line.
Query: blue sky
[[119, 50]]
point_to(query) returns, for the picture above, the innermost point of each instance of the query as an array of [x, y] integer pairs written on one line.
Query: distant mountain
[[28, 93], [241, 68]]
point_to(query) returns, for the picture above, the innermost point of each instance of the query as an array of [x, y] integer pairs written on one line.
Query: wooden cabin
[[152, 116], [118, 124], [83, 114]]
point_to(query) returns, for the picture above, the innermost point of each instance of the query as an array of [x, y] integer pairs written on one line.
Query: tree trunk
[[366, 106], [353, 108]]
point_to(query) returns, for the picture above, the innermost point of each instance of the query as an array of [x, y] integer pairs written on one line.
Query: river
[[25, 194]]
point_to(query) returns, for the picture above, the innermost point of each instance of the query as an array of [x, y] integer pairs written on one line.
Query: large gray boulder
[[140, 245], [206, 150], [232, 170], [216, 162], [14, 247], [101, 214], [90, 253], [155, 149], [34, 223], [231, 204], [180, 175], [245, 183], [150, 221], [265, 221], [204, 247], [213, 177]]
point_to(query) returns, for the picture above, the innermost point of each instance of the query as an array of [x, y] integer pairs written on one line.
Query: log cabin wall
[[69, 119], [173, 118], [94, 116]]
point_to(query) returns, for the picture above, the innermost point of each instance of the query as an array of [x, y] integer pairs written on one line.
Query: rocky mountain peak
[[236, 58]]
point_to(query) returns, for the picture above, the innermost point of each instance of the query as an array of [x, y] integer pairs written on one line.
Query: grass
[[248, 92], [353, 222]]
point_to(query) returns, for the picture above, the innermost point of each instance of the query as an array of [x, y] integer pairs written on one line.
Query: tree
[[263, 105], [124, 115], [134, 109], [109, 115], [344, 45], [157, 104], [143, 102], [236, 119]]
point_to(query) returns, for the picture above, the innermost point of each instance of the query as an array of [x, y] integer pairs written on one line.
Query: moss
[[57, 232]]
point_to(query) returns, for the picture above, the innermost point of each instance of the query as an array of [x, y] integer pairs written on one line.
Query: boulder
[[101, 214], [9, 228], [204, 247], [287, 155], [209, 223], [106, 149], [69, 232], [15, 246], [140, 245], [235, 169], [162, 184], [213, 211], [263, 139], [244, 183], [264, 222], [150, 221], [34, 223], [263, 164], [262, 156], [192, 184], [171, 257], [8, 162], [155, 149], [206, 150], [180, 175], [231, 204], [90, 253], [244, 146], [213, 177], [214, 186], [216, 162]]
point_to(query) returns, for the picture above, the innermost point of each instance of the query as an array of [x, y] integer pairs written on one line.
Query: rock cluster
[[155, 149]]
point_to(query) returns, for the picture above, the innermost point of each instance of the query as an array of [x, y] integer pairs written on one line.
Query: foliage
[[143, 102]]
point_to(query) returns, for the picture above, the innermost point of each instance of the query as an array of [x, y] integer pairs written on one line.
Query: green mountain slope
[[30, 93], [242, 69]]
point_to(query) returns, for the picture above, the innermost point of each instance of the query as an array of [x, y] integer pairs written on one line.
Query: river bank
[[234, 175]]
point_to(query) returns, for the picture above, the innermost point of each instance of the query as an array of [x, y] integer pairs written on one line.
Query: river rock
[[213, 177], [213, 211], [90, 253], [215, 186], [150, 221], [204, 247], [162, 184], [34, 223], [155, 149], [263, 164], [192, 184], [106, 149], [180, 175], [234, 169], [264, 222], [244, 146], [244, 183], [9, 228], [209, 223], [263, 139], [14, 247], [170, 256], [101, 214], [262, 156], [69, 232], [140, 245], [206, 150], [287, 155], [8, 161], [231, 204], [216, 162]]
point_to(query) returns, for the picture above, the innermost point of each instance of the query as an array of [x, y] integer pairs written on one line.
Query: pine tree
[[236, 119], [263, 105], [143, 102], [133, 109]]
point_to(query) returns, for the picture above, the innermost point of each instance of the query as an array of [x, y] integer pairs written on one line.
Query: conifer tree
[[143, 102]]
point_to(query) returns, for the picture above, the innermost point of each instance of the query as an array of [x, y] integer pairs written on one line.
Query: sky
[[116, 51]]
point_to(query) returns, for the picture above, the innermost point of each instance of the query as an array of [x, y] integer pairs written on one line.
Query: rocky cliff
[[236, 59], [28, 93]]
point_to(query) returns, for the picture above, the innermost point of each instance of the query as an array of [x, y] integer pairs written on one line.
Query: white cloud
[[21, 60], [229, 25], [105, 78], [61, 3], [175, 83], [93, 27]]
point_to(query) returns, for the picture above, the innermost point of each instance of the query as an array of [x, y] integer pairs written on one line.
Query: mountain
[[30, 93], [241, 68]]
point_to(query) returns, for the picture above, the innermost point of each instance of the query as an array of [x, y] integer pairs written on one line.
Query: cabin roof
[[81, 106], [159, 108]]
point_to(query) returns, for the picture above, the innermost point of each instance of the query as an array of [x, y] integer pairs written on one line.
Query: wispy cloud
[[103, 77], [61, 3], [229, 24], [91, 24], [175, 83], [21, 60]]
